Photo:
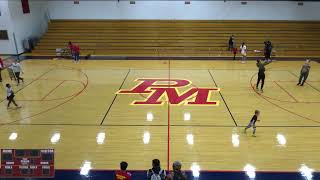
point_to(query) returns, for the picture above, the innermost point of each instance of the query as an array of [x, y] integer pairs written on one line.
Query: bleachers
[[180, 37]]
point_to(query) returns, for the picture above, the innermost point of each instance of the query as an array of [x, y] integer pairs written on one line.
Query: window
[[4, 35]]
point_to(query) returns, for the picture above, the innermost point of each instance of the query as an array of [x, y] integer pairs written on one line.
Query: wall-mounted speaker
[[244, 3]]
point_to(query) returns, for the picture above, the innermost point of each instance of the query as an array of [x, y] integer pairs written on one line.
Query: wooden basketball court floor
[[66, 105]]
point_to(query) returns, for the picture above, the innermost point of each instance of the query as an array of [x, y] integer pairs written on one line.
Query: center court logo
[[159, 90]]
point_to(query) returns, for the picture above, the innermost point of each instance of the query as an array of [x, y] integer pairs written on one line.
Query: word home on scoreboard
[[27, 163]]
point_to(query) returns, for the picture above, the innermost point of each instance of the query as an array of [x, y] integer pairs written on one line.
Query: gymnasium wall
[[229, 10], [6, 46], [22, 25], [28, 25]]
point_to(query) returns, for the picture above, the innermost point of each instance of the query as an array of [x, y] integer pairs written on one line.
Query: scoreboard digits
[[27, 163]]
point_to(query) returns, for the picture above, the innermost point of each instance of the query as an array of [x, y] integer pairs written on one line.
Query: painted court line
[[85, 85], [235, 122], [115, 97], [34, 80], [313, 87], [286, 91], [55, 99], [305, 82], [190, 171], [157, 125], [276, 105], [44, 97], [168, 104]]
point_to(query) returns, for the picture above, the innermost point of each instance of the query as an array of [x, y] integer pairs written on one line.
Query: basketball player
[[243, 50], [10, 96], [17, 70], [231, 43], [261, 75], [252, 123], [304, 73]]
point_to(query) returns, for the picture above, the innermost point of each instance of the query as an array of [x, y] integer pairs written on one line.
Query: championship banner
[[25, 6]]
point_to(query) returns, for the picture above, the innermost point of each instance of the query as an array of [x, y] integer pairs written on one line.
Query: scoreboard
[[27, 163]]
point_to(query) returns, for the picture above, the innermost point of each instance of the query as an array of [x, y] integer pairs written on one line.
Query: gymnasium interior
[[113, 82]]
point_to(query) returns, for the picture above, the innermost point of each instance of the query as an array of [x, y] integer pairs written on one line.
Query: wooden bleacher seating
[[180, 37]]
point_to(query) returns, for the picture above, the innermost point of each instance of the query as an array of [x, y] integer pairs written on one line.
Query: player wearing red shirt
[[123, 174], [76, 51], [70, 46], [234, 51], [76, 48]]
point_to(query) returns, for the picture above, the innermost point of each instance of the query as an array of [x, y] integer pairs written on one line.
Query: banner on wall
[[25, 6]]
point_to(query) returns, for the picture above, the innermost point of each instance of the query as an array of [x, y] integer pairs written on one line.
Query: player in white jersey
[[17, 70], [10, 96]]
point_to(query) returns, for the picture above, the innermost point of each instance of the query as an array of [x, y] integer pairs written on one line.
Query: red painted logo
[[173, 91]]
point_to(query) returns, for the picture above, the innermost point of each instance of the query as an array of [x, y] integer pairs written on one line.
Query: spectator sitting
[[177, 174], [123, 174], [156, 173]]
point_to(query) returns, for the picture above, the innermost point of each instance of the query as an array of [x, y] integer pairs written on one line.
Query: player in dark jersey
[[261, 75], [253, 122]]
